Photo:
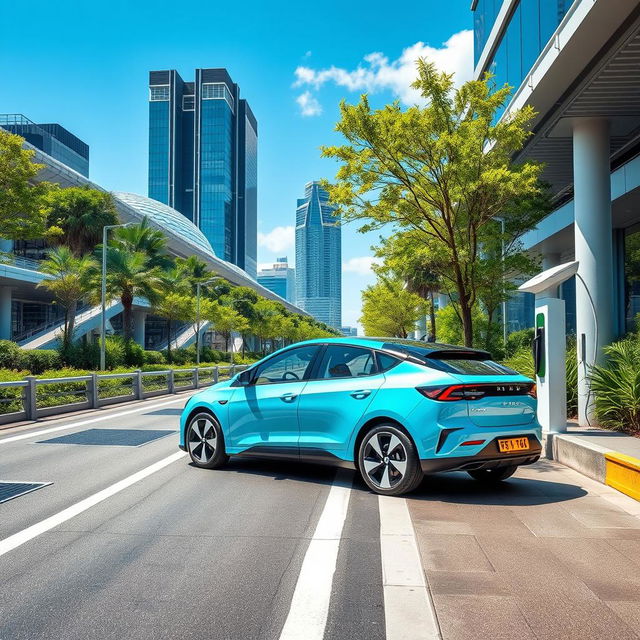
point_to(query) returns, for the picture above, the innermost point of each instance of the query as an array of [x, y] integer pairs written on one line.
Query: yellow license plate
[[513, 444]]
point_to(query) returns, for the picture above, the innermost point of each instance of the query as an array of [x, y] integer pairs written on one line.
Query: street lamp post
[[103, 318]]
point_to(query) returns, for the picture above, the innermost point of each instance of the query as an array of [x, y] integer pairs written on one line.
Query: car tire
[[205, 442], [493, 475], [388, 461]]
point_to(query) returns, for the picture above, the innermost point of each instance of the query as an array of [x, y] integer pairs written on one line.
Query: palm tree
[[131, 274], [144, 239], [70, 283], [76, 216], [174, 302]]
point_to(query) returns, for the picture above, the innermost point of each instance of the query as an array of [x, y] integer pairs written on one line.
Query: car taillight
[[452, 393]]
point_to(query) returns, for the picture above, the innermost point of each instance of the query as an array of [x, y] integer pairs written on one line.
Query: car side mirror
[[245, 378]]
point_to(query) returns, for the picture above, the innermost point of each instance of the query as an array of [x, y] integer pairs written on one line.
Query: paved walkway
[[549, 554]]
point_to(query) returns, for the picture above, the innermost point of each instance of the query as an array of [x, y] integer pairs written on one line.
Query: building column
[[443, 300], [139, 319], [550, 260], [421, 327], [593, 250], [6, 246], [5, 313]]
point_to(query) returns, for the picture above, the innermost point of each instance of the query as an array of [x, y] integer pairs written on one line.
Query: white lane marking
[[80, 423], [310, 603], [17, 539], [408, 608]]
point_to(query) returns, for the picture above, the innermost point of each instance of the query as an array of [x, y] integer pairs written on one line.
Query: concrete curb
[[614, 469]]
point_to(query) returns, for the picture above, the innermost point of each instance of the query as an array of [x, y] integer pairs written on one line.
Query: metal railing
[[34, 398], [19, 261]]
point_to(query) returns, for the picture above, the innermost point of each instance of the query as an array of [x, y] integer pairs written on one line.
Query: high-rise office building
[[53, 139], [279, 278], [318, 257], [203, 144]]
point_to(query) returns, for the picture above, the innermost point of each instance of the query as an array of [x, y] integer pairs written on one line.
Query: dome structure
[[167, 218]]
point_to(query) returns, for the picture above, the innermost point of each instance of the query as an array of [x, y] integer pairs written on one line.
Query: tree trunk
[[432, 316], [487, 339], [71, 322], [127, 316], [467, 323], [169, 340]]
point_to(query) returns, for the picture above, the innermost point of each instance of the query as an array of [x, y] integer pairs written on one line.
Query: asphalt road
[[133, 542]]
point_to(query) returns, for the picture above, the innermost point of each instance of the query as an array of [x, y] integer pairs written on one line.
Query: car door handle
[[361, 394], [288, 397]]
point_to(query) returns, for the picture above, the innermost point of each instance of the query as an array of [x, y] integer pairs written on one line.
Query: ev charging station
[[549, 345]]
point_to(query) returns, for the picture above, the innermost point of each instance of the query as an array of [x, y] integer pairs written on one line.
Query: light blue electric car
[[392, 409]]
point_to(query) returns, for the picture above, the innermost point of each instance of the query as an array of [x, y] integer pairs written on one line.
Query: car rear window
[[470, 367]]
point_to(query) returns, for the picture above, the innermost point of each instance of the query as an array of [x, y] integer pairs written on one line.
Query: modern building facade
[[53, 139], [203, 159], [279, 278], [349, 331], [577, 63], [318, 257]]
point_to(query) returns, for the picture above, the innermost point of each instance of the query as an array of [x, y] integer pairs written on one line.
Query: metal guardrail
[[82, 313], [34, 398]]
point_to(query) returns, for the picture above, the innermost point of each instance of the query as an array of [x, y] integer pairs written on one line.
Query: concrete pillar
[[6, 245], [5, 313], [421, 327], [139, 319], [593, 243], [443, 300]]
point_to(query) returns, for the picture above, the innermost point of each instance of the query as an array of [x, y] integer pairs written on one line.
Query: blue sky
[[85, 65]]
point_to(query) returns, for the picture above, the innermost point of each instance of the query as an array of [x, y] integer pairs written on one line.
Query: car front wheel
[[205, 442], [388, 461]]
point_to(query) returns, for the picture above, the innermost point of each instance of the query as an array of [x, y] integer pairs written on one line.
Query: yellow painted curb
[[623, 473]]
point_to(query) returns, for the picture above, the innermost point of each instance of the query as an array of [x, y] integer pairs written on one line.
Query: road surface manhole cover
[[10, 490], [110, 437]]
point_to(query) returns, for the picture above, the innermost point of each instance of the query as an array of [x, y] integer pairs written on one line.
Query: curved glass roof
[[167, 218]]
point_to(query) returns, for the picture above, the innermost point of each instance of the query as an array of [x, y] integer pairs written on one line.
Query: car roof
[[428, 349]]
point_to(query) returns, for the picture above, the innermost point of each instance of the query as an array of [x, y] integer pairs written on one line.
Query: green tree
[[389, 309], [130, 274], [69, 284], [174, 307], [76, 216], [264, 321], [444, 171], [226, 320], [143, 238], [21, 213]]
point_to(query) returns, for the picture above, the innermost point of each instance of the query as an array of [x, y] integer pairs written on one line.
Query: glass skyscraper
[[279, 278], [203, 143], [318, 257], [53, 139]]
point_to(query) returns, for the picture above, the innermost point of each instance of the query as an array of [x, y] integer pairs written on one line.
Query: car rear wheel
[[388, 461], [493, 475], [205, 442]]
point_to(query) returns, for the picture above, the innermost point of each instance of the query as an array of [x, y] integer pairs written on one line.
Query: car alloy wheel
[[205, 442]]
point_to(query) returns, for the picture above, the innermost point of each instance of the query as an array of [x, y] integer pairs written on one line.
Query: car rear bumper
[[489, 458]]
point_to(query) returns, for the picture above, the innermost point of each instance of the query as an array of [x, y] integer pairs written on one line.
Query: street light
[[103, 319], [198, 285]]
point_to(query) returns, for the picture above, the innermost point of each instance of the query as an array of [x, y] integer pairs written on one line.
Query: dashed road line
[[408, 607], [18, 539], [307, 616]]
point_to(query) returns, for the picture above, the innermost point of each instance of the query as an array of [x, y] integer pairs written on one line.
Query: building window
[[188, 103], [159, 93], [217, 91]]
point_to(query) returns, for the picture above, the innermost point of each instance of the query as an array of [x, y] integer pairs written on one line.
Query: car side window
[[287, 366], [341, 361], [386, 362]]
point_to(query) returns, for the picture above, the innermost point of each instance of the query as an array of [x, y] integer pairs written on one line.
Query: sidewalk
[[608, 457], [548, 554]]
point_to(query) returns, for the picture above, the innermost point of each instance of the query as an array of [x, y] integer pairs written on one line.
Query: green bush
[[11, 398], [39, 360], [616, 386], [153, 357], [133, 354], [11, 355], [519, 340]]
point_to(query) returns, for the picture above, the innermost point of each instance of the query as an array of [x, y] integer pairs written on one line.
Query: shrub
[[39, 360], [153, 357], [616, 386], [519, 340], [133, 353], [11, 398], [11, 355]]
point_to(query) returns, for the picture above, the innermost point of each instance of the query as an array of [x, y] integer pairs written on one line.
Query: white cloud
[[361, 266], [378, 73], [278, 239], [309, 105]]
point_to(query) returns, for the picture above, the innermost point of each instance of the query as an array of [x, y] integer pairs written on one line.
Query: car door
[[344, 383], [263, 414]]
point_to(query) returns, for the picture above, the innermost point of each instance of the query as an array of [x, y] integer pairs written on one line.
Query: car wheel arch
[[370, 424], [203, 409]]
